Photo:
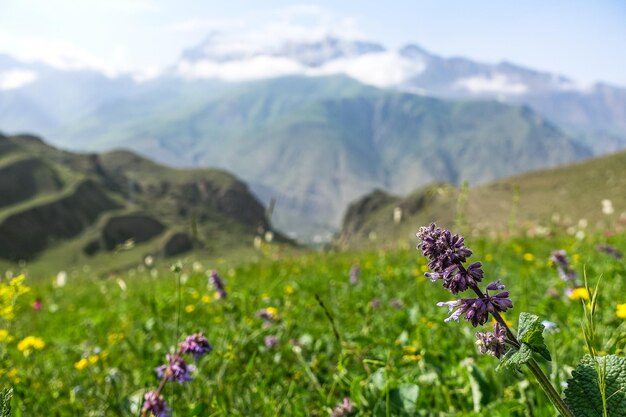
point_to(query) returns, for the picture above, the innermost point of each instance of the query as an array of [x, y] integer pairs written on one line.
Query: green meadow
[[92, 347]]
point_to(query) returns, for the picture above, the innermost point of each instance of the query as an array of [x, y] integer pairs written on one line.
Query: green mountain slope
[[316, 144], [92, 204], [568, 197]]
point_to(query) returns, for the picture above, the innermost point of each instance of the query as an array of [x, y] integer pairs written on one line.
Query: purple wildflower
[[154, 404], [396, 303], [176, 369], [457, 279], [559, 258], [492, 343], [270, 341], [375, 303], [476, 310], [442, 248], [268, 314], [355, 273], [610, 250], [447, 253], [344, 408], [218, 284], [197, 345]]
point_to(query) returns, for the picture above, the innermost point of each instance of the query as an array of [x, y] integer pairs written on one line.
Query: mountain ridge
[[567, 198], [100, 201]]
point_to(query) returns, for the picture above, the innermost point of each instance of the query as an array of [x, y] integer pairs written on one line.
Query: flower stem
[[549, 389], [541, 377]]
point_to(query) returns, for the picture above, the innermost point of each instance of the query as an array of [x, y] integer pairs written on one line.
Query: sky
[[583, 40]]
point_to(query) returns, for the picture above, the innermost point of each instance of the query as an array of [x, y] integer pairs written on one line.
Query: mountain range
[[318, 124]]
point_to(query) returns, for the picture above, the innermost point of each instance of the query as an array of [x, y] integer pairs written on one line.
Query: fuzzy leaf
[[530, 332], [582, 394], [516, 358]]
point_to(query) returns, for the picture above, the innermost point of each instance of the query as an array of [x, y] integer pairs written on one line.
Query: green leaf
[[583, 395], [480, 387], [530, 332], [516, 358], [5, 402], [378, 381], [404, 398]]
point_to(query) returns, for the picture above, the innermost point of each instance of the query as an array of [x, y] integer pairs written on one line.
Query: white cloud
[[242, 70], [207, 25], [381, 69], [147, 74], [16, 78], [492, 84], [127, 6], [295, 23], [62, 55], [574, 86]]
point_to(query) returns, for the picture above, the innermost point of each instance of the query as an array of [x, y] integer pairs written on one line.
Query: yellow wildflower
[[508, 322], [11, 375], [529, 257], [189, 308], [409, 349], [81, 364], [289, 290], [29, 343], [5, 336], [93, 359], [272, 312], [115, 337], [6, 312], [621, 311], [412, 358], [206, 299], [579, 294]]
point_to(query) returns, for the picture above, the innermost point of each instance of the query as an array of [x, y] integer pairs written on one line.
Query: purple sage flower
[[176, 369], [344, 408], [447, 253], [492, 343], [355, 273], [154, 404], [197, 345], [476, 310], [559, 258], [375, 303], [218, 284], [270, 341], [457, 279], [442, 248], [610, 250], [396, 303]]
